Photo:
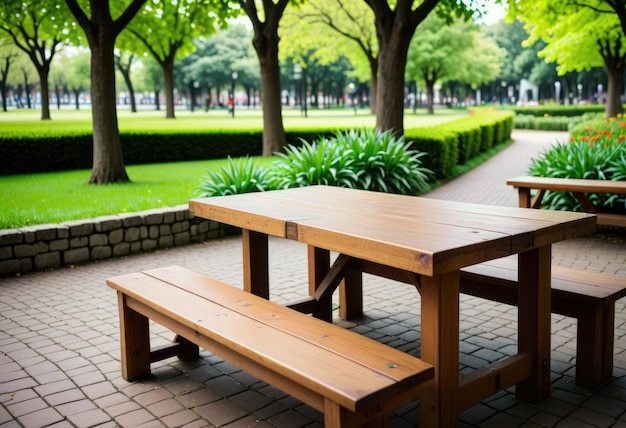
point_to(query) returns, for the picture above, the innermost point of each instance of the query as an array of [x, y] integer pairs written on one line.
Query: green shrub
[[598, 152], [239, 177], [320, 162], [364, 159]]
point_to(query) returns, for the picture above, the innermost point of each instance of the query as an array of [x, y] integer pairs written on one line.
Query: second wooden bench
[[585, 295], [352, 379], [580, 188]]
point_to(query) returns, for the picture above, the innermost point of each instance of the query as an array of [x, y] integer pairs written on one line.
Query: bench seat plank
[[323, 359]]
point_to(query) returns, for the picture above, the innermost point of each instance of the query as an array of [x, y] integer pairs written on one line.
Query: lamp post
[[557, 91], [232, 92], [300, 73], [580, 92], [353, 96]]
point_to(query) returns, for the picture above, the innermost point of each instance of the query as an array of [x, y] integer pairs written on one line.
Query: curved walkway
[[59, 338]]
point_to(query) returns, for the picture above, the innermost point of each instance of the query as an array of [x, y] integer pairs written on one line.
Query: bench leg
[[188, 350], [336, 416], [594, 345], [134, 341]]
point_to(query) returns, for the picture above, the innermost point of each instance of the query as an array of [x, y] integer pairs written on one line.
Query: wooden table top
[[422, 235]]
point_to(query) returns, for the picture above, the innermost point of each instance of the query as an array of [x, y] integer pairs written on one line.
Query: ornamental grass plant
[[597, 151], [358, 159]]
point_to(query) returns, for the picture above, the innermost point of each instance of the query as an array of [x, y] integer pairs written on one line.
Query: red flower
[[622, 125]]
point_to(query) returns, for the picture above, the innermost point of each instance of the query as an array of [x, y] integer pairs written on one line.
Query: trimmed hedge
[[454, 143], [558, 110], [446, 144], [47, 153]]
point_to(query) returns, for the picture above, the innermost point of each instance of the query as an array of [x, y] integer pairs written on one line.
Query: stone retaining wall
[[41, 247]]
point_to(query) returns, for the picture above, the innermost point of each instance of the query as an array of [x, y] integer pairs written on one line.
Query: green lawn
[[59, 196]]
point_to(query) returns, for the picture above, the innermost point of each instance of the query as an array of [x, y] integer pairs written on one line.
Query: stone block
[[80, 227], [6, 253], [101, 252], [153, 217], [131, 220], [132, 234], [26, 265], [166, 241], [10, 267], [135, 247], [121, 249], [47, 260], [63, 232], [149, 245], [42, 247], [107, 223], [116, 236], [26, 250], [79, 242], [169, 216], [11, 237], [59, 245], [78, 255], [183, 238], [98, 239]]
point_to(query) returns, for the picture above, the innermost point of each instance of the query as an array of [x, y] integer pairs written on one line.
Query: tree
[[455, 53], [101, 30], [7, 58], [395, 28], [36, 27], [75, 69], [166, 29], [579, 37], [265, 42], [124, 63], [215, 59], [353, 21], [150, 79]]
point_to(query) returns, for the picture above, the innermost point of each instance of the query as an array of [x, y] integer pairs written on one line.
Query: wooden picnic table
[[429, 241]]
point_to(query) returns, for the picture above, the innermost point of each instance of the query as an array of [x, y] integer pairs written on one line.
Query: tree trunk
[[125, 71], [77, 98], [43, 72], [614, 91], [4, 73], [108, 162], [373, 84], [430, 95], [394, 29], [157, 104], [168, 72], [266, 46]]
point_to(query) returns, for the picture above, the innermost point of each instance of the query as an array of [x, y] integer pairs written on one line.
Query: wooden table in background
[[429, 240]]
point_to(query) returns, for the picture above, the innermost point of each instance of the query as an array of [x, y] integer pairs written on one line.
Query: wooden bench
[[352, 379], [579, 187], [585, 295]]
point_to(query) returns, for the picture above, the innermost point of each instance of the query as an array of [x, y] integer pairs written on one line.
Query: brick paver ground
[[59, 338]]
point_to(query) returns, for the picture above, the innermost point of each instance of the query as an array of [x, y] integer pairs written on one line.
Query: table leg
[[255, 263], [440, 347], [534, 320], [350, 289]]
